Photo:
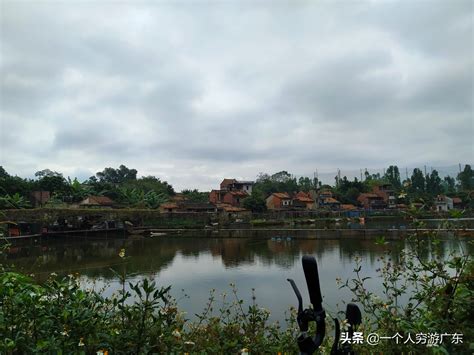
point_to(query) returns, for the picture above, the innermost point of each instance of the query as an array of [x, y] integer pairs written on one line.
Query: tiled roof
[[283, 195], [330, 200], [238, 193], [98, 200], [233, 209], [348, 207], [169, 205], [457, 200], [304, 199]]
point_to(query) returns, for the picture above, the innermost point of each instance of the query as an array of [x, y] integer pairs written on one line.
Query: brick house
[[303, 200], [278, 200], [371, 201], [386, 192], [231, 192], [39, 198], [237, 185]]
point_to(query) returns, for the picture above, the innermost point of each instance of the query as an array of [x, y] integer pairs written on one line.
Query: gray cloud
[[193, 92]]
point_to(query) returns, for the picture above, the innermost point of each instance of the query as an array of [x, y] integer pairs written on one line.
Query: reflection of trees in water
[[93, 258]]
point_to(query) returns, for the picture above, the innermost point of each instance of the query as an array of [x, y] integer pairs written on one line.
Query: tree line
[[124, 187]]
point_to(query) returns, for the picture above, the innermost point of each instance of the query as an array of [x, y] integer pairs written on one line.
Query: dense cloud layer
[[195, 92]]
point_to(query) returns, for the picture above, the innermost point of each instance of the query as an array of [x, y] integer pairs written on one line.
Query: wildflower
[[176, 334], [345, 325], [122, 253], [102, 352], [65, 333], [81, 342], [53, 274], [189, 343], [244, 351]]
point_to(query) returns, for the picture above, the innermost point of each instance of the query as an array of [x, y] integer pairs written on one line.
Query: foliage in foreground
[[421, 291], [60, 317]]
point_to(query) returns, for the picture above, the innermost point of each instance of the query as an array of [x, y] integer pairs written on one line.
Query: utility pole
[[460, 170], [361, 175], [425, 170], [406, 172]]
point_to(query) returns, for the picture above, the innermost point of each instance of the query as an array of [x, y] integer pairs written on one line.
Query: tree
[[433, 183], [255, 203], [195, 195], [117, 176], [54, 183], [466, 178], [47, 173], [449, 185], [15, 201], [417, 185], [392, 175]]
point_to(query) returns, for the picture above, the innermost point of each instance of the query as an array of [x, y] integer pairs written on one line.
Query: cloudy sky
[[194, 91]]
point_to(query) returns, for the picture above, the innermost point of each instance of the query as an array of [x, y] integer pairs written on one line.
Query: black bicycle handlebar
[[307, 344]]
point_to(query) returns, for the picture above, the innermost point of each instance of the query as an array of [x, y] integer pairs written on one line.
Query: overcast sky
[[196, 91]]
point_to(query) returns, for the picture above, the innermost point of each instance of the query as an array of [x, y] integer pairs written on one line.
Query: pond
[[197, 264]]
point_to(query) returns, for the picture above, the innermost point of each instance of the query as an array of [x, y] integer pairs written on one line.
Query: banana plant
[[15, 201]]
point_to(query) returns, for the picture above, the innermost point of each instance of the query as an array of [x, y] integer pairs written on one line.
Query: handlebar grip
[[310, 268]]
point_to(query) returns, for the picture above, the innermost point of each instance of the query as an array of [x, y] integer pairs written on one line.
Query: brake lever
[[306, 343]]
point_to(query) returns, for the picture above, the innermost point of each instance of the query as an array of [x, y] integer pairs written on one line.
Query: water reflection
[[198, 264]]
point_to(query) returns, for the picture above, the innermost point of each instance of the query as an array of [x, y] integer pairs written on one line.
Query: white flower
[[81, 343], [244, 351], [190, 343]]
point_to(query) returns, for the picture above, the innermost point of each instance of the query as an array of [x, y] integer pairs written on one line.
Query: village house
[[457, 203], [237, 185], [443, 203], [326, 200], [278, 200], [371, 201], [97, 202], [386, 192], [303, 200], [39, 198], [169, 207], [231, 192]]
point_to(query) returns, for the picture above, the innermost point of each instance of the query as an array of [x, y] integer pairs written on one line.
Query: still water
[[196, 265]]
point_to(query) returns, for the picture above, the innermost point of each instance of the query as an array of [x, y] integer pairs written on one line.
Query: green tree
[[449, 185], [195, 195], [117, 176], [417, 185], [255, 203], [466, 178], [392, 175], [306, 184], [433, 184], [15, 201], [53, 182]]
